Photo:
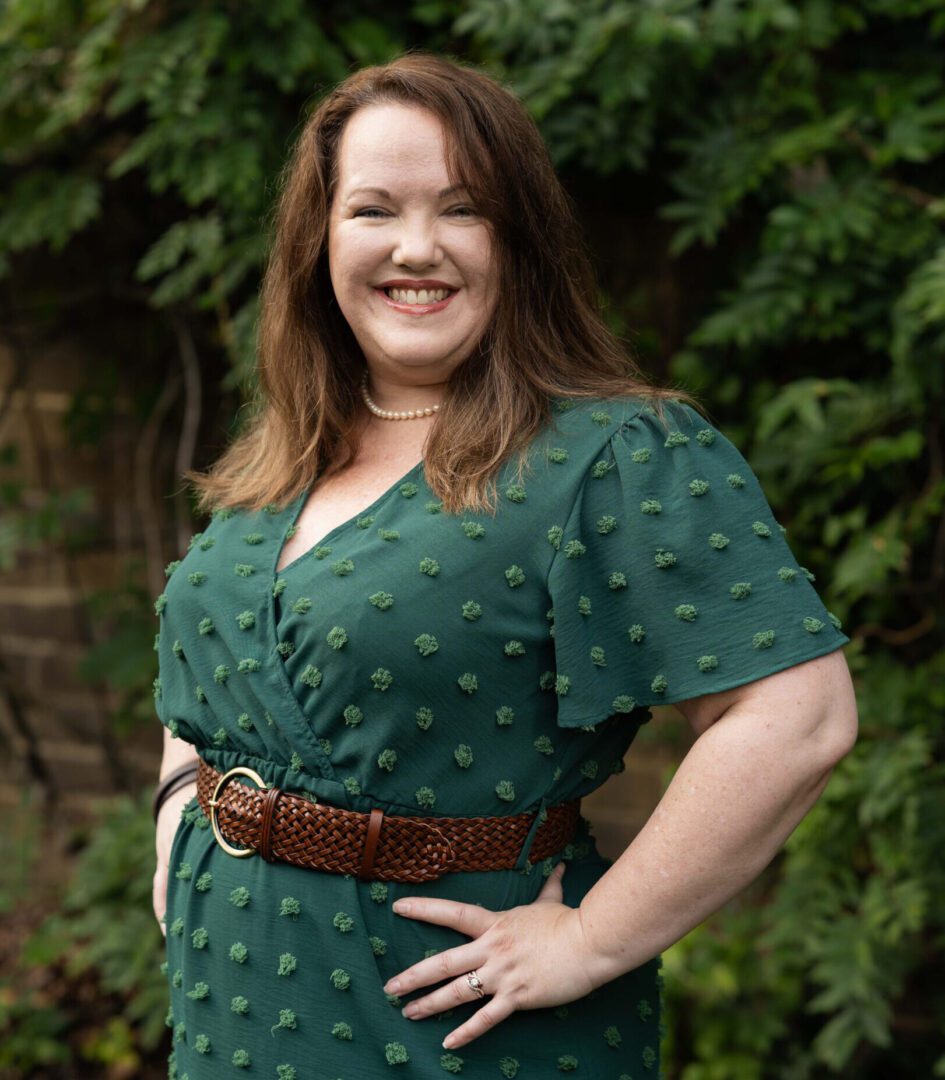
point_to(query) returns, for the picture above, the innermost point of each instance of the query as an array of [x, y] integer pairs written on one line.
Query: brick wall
[[53, 723]]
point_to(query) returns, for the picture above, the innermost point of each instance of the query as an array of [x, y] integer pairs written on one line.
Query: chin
[[419, 357]]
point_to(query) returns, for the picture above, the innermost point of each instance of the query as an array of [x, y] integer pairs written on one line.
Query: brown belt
[[284, 827]]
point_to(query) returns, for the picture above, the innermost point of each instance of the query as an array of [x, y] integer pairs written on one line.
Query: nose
[[416, 244]]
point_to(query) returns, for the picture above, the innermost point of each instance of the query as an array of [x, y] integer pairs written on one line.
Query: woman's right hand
[[165, 831]]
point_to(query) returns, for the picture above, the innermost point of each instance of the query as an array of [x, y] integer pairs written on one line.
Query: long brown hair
[[547, 338]]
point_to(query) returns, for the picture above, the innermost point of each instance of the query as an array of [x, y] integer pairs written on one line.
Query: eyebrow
[[385, 194]]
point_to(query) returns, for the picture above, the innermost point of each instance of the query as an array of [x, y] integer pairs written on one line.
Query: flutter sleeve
[[672, 578]]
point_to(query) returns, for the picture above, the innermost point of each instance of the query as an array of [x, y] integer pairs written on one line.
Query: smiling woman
[[393, 207], [459, 552]]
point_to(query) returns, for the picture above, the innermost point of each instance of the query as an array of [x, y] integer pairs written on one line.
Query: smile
[[415, 309]]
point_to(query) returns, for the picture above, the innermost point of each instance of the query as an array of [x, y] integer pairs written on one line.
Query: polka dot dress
[[457, 664]]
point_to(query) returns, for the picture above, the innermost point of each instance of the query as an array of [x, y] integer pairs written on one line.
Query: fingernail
[[448, 1042], [401, 906], [393, 987]]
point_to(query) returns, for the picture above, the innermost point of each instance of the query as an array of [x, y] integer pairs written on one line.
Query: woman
[[459, 552]]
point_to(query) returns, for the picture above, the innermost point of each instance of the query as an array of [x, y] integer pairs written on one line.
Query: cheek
[[487, 286], [482, 267], [351, 255]]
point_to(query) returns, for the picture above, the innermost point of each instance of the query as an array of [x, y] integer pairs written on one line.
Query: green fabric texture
[[466, 665]]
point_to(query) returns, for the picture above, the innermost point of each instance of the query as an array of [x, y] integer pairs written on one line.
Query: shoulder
[[664, 446], [601, 409], [593, 419], [640, 421], [604, 411], [673, 432], [656, 454]]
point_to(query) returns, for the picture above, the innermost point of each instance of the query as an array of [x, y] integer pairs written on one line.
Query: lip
[[415, 309]]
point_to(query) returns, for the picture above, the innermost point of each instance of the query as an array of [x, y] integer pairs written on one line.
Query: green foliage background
[[762, 184]]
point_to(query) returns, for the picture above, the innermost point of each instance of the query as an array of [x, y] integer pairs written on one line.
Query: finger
[[469, 919], [457, 992], [552, 889], [480, 1022], [445, 965]]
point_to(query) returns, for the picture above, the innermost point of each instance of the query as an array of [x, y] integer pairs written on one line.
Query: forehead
[[383, 145]]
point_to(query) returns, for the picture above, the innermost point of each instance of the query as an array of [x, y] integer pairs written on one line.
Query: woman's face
[[393, 225]]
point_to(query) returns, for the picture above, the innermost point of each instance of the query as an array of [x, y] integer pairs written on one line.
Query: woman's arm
[[764, 755], [176, 753]]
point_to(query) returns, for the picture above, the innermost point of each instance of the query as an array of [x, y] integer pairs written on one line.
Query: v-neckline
[[332, 533]]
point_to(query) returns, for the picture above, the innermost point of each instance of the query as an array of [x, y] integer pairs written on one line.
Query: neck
[[398, 397]]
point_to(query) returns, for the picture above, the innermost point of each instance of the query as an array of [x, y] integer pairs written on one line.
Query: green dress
[[434, 663]]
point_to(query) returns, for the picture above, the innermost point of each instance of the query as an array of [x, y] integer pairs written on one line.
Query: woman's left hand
[[528, 957]]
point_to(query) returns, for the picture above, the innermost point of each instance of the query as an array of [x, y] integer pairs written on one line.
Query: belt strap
[[286, 827]]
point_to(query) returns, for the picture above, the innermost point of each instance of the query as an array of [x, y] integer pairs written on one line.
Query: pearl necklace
[[386, 414]]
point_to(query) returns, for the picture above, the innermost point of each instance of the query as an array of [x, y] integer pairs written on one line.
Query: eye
[[470, 212], [370, 210]]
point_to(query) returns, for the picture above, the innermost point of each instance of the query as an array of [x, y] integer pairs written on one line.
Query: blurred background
[[762, 187]]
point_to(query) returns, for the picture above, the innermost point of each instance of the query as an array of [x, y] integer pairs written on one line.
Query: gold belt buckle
[[239, 770]]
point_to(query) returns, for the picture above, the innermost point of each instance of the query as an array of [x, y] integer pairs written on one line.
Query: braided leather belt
[[284, 827]]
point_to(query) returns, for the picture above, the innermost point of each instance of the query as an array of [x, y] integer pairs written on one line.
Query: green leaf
[[43, 207]]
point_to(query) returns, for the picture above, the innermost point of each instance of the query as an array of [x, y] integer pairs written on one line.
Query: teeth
[[413, 296]]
